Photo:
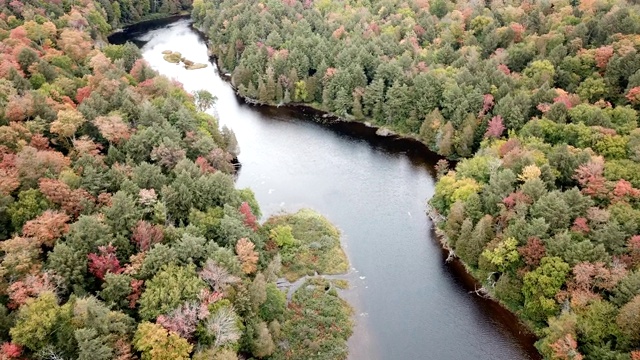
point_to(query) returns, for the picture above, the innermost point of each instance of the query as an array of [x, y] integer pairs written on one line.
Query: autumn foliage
[[247, 255], [118, 202]]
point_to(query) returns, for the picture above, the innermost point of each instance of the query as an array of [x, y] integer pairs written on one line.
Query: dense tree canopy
[[122, 235], [480, 66], [558, 241], [544, 93]]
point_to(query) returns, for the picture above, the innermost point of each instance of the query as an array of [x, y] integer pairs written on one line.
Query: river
[[408, 303]]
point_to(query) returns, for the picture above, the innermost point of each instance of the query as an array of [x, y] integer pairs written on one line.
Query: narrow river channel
[[408, 303]]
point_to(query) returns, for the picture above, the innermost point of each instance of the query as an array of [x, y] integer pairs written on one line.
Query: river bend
[[409, 304]]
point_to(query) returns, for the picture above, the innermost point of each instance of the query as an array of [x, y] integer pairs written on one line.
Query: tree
[[566, 348], [445, 142], [628, 319], [115, 290], [217, 276], [470, 249], [249, 219], [104, 262], [91, 345], [112, 128], [514, 110], [157, 343], [532, 252], [275, 304], [31, 286], [47, 228], [168, 153], [157, 257], [145, 235], [222, 325], [495, 127], [75, 43], [204, 100], [540, 288], [30, 204], [123, 214], [67, 123], [184, 319], [41, 322], [247, 255], [10, 351], [283, 236], [262, 344], [172, 286], [34, 164], [553, 209], [21, 257], [504, 255]]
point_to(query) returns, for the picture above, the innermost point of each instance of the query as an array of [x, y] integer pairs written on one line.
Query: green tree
[[504, 255], [262, 344], [470, 249], [157, 343], [597, 324], [204, 100], [553, 209], [274, 306], [30, 204], [541, 286], [115, 290], [169, 288], [42, 322], [628, 319]]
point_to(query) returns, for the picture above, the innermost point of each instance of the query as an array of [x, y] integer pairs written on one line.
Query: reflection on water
[[409, 304]]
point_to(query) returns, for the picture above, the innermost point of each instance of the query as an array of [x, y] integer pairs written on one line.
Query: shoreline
[[328, 118], [456, 267], [149, 19], [455, 264]]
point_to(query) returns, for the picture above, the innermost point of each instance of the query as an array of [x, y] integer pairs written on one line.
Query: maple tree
[[113, 128], [103, 262], [145, 235], [249, 219], [47, 228]]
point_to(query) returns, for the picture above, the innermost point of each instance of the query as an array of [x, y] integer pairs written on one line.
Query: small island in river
[[175, 57]]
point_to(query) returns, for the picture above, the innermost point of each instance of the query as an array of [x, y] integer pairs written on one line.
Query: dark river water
[[408, 303]]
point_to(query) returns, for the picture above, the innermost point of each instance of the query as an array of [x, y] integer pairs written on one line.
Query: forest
[[535, 101], [122, 234]]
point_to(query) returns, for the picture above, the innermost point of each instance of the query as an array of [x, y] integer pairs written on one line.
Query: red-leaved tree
[[591, 178], [146, 235], [47, 228], [103, 262], [566, 348], [532, 252], [633, 247], [136, 292], [30, 287], [59, 193], [495, 127], [249, 218], [10, 350]]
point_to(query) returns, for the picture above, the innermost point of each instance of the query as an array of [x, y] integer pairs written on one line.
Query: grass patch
[[313, 247], [317, 324]]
